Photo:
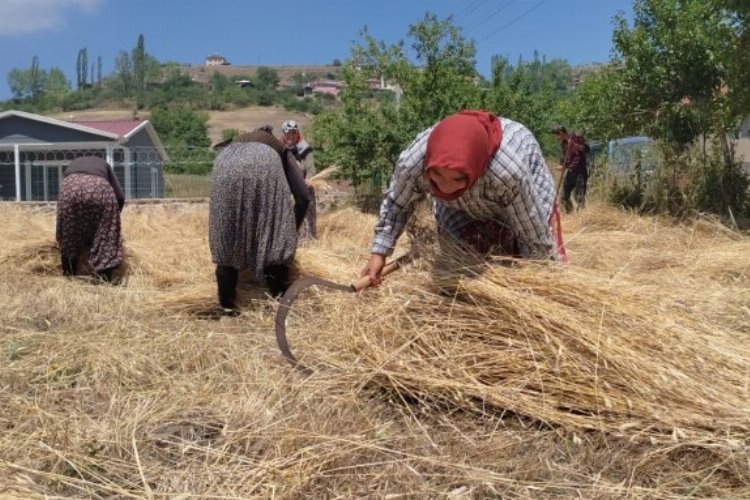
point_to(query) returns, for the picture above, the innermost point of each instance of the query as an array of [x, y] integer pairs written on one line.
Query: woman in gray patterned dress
[[253, 221], [88, 217]]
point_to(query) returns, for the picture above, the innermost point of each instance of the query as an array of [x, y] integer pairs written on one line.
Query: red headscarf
[[465, 142]]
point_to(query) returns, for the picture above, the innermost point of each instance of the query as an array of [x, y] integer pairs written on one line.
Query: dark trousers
[[226, 279], [575, 181], [277, 278]]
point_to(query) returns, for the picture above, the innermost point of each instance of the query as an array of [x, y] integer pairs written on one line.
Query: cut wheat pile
[[626, 373]]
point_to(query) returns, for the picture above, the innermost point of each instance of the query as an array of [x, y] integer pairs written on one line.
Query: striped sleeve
[[403, 193]]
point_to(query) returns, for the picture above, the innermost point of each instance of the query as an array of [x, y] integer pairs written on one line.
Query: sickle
[[297, 287]]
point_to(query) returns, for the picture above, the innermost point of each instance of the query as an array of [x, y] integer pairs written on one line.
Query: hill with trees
[[678, 74]]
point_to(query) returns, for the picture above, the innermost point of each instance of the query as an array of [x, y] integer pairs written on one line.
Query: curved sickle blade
[[283, 311]]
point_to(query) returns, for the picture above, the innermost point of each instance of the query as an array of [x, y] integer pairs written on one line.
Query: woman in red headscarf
[[489, 183]]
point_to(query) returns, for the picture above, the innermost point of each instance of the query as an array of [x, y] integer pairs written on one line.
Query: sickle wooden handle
[[365, 281]]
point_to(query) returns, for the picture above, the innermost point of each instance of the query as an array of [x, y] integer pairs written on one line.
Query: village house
[[331, 87], [35, 149], [216, 60]]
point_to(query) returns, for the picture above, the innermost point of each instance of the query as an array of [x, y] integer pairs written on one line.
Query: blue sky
[[290, 31]]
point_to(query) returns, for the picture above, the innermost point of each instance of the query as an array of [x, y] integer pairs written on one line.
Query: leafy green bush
[[78, 100], [719, 189], [229, 133], [181, 126], [265, 97], [305, 105], [626, 194]]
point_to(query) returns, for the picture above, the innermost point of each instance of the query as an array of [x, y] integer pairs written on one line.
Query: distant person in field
[[490, 187], [253, 221], [575, 167], [303, 153], [88, 217]]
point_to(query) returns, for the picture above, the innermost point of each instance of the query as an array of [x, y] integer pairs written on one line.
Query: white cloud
[[37, 16]]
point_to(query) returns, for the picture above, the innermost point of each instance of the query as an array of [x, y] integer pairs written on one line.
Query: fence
[[143, 172]]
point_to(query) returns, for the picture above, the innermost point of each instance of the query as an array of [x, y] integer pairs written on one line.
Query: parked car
[[624, 154]]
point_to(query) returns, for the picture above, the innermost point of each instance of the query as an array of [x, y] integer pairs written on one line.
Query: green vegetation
[[436, 77], [185, 133], [187, 185], [140, 81], [678, 74]]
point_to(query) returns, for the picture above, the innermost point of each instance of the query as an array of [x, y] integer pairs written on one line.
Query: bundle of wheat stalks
[[598, 344]]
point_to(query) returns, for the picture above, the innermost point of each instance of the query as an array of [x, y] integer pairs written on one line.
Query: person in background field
[[303, 153], [575, 167], [490, 187], [88, 217], [253, 222]]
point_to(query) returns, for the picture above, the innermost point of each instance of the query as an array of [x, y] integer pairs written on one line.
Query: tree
[[178, 88], [18, 81], [139, 64], [220, 82], [558, 73], [674, 76], [181, 126], [443, 80], [185, 132], [99, 71], [28, 83], [82, 68], [138, 58], [154, 71], [36, 78], [671, 70], [435, 78], [42, 88], [56, 85], [378, 60], [123, 74], [528, 93], [737, 59], [266, 78], [362, 138], [596, 107]]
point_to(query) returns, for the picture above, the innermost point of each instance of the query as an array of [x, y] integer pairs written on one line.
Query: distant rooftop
[[119, 127]]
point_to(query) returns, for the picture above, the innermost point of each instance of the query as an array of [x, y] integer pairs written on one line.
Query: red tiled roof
[[119, 127]]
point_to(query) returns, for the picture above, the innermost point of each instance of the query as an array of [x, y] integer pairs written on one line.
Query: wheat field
[[623, 374]]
